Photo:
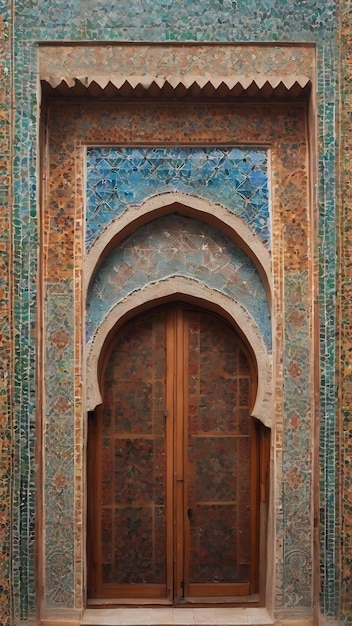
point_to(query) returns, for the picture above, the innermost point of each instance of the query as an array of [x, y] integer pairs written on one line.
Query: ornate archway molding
[[199, 208], [193, 291]]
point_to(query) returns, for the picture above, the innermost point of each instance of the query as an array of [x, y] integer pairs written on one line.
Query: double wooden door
[[173, 463]]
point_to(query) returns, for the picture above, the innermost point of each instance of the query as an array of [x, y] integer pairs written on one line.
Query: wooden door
[[130, 475], [173, 463]]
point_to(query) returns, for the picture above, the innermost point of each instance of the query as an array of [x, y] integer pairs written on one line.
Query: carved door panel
[[128, 467], [172, 454]]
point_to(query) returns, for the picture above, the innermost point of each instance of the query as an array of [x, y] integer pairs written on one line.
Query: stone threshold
[[164, 616]]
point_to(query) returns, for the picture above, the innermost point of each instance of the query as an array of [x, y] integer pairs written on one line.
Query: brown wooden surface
[[174, 442]]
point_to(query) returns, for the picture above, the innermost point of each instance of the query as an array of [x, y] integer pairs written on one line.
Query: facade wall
[[6, 428], [343, 350], [23, 27]]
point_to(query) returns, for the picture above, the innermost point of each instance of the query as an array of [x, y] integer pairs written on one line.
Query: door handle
[[190, 514]]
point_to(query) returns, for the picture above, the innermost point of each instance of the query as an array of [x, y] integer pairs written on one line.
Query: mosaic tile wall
[[284, 130], [328, 417], [6, 429], [244, 20], [24, 271], [120, 177]]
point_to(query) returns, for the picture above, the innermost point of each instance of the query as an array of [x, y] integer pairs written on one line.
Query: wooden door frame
[[260, 452]]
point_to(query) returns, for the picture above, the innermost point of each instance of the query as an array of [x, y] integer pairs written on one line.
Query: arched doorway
[[175, 463]]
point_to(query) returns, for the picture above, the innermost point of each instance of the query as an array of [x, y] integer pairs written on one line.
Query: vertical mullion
[[238, 443], [170, 410], [179, 454], [98, 507], [254, 503], [185, 418], [155, 435]]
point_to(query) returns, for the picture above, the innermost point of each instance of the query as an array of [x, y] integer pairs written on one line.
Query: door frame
[[260, 455]]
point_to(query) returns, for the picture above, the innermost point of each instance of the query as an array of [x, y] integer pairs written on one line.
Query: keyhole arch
[[190, 291], [184, 324]]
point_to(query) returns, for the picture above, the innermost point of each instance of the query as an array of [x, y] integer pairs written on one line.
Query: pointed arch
[[192, 206]]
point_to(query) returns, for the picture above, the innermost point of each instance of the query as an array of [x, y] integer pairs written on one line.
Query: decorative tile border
[[139, 59], [6, 316], [326, 301], [276, 22], [25, 268], [120, 177]]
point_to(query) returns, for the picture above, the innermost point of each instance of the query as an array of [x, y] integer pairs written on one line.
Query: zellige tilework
[[120, 177], [247, 21]]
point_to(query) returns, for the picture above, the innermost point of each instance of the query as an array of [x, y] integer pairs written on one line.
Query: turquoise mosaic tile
[[329, 524], [6, 429], [120, 177], [344, 305], [25, 312]]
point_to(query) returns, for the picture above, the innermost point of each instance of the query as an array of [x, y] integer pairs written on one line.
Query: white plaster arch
[[180, 288], [193, 206]]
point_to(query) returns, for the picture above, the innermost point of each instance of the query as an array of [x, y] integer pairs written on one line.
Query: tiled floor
[[178, 617]]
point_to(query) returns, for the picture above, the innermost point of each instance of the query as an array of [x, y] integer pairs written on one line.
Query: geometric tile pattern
[[271, 21], [59, 469], [121, 177], [175, 245]]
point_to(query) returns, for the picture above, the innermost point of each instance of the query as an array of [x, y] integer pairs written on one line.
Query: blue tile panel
[[120, 177], [25, 244], [178, 246]]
